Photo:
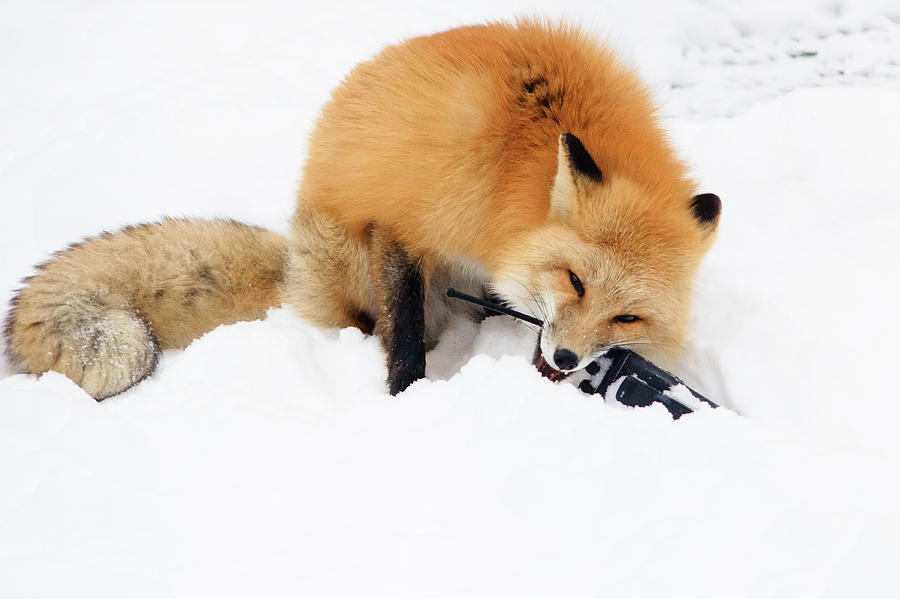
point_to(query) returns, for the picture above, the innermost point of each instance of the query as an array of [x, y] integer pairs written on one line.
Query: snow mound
[[267, 456], [266, 459]]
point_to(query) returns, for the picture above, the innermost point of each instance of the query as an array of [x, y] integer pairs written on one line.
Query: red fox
[[521, 162]]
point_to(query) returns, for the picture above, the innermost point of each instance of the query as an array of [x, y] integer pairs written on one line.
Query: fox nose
[[565, 359]]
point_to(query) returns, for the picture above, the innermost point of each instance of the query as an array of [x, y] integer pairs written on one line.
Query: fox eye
[[576, 283], [626, 318]]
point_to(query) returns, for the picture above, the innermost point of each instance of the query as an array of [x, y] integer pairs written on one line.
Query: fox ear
[[706, 208], [574, 167], [580, 162]]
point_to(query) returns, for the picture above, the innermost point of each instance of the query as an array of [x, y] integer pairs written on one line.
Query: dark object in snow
[[492, 307], [641, 383]]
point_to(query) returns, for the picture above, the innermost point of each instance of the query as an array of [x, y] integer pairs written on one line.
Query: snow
[[266, 458]]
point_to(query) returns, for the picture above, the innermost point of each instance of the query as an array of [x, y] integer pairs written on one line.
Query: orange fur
[[440, 139], [450, 142]]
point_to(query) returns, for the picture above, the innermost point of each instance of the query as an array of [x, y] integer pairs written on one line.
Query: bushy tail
[[101, 311]]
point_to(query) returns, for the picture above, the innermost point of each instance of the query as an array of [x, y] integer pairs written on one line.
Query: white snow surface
[[267, 460]]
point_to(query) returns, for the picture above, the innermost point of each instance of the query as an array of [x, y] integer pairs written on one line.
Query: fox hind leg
[[327, 274], [335, 278], [400, 288]]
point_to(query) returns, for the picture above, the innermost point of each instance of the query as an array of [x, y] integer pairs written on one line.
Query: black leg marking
[[403, 290], [364, 321]]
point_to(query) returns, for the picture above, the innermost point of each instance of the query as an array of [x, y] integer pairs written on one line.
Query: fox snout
[[565, 359], [550, 357], [558, 363]]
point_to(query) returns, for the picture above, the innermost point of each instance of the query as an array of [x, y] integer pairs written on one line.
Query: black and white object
[[634, 380], [638, 382]]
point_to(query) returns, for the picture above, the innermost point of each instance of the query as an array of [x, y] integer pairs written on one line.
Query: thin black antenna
[[492, 307]]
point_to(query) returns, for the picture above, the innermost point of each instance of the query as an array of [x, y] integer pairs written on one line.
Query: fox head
[[612, 265]]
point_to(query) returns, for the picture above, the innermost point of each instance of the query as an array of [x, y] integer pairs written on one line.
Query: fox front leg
[[400, 323]]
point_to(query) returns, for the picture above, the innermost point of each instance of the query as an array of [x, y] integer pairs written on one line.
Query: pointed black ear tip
[[579, 157], [706, 207], [570, 143]]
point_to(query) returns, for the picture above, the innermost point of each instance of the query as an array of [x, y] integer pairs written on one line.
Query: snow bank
[[266, 458], [254, 464], [799, 295]]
